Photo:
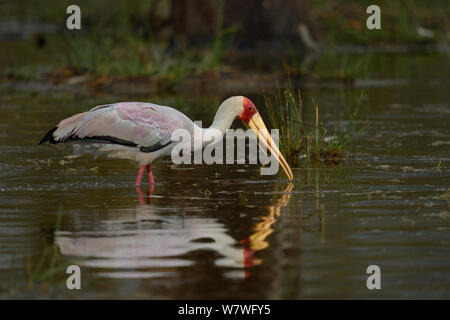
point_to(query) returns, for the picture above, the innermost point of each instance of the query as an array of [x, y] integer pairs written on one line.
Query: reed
[[301, 140]]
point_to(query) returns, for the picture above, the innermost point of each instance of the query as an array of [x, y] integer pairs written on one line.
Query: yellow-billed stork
[[142, 131]]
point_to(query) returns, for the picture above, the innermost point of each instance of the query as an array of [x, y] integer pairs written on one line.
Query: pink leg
[[139, 176], [150, 177], [150, 174]]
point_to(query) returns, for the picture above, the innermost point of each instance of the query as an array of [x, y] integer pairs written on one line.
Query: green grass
[[120, 42], [117, 55], [301, 140], [123, 54]]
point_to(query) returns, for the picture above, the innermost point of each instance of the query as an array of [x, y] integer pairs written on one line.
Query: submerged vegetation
[[309, 140]]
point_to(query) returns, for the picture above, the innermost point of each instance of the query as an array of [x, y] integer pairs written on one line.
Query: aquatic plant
[[300, 139]]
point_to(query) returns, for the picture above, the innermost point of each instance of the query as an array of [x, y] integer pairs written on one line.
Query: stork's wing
[[134, 124]]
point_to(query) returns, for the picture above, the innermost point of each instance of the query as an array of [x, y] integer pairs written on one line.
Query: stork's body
[[142, 132]]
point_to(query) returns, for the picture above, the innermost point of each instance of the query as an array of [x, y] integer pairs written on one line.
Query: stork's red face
[[252, 118], [249, 110]]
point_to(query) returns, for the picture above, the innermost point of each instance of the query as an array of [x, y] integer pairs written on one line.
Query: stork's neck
[[223, 119], [218, 126]]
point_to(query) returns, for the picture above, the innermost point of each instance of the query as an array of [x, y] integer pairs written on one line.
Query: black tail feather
[[102, 139], [49, 137]]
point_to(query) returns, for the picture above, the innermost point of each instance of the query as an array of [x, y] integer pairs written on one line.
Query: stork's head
[[244, 109], [248, 110]]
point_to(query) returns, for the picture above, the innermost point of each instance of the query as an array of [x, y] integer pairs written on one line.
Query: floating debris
[[95, 169], [439, 166], [70, 157], [447, 194], [207, 193], [440, 143], [70, 171], [64, 162]]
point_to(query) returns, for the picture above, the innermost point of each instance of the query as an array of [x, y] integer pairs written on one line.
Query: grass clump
[[309, 141]]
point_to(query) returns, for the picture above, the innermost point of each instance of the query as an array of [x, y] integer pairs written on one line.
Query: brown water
[[226, 231]]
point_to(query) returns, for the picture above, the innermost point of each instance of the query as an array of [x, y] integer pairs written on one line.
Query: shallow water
[[226, 231]]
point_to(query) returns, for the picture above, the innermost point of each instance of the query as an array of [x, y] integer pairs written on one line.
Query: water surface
[[225, 231]]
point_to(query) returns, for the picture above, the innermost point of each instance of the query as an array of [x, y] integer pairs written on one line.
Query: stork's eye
[[250, 108]]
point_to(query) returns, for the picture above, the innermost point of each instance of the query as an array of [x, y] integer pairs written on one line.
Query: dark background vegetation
[[168, 41]]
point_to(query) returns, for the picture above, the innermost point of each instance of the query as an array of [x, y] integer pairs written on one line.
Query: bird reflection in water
[[149, 243], [257, 240]]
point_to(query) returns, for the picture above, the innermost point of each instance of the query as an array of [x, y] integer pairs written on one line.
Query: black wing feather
[[105, 139], [49, 137]]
